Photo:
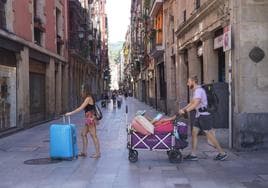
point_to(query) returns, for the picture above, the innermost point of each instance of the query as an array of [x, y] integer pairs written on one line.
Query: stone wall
[[250, 25]]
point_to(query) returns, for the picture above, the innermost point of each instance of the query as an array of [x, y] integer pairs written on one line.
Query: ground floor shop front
[[37, 86]]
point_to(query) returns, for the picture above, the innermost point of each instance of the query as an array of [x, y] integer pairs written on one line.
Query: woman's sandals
[[82, 154], [96, 156]]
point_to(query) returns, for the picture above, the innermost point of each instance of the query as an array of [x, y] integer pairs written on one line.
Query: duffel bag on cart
[[164, 127]]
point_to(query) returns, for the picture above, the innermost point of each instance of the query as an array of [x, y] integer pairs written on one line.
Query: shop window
[[200, 57], [202, 69], [2, 14], [7, 97], [162, 83], [186, 64]]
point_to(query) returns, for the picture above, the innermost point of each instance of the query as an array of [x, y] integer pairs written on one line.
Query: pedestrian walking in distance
[[90, 121]]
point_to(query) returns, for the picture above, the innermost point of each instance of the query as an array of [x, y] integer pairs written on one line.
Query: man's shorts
[[204, 122]]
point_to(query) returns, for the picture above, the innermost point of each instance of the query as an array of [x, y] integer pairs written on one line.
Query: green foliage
[[115, 48]]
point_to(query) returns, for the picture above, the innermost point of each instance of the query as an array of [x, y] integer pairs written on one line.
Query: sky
[[118, 19]]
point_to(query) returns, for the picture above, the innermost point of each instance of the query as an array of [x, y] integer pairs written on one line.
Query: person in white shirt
[[203, 120]]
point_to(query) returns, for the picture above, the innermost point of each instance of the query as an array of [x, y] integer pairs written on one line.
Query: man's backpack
[[213, 100]]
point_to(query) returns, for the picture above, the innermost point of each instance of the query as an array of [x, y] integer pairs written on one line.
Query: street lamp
[[81, 35], [81, 32]]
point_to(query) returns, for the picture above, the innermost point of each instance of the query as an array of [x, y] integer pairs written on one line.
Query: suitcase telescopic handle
[[68, 117]]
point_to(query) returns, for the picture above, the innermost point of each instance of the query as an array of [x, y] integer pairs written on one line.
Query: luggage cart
[[166, 142]]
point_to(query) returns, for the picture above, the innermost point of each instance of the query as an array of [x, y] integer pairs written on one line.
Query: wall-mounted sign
[[200, 50], [218, 42], [227, 36]]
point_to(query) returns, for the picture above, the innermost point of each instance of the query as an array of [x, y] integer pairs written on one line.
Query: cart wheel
[[175, 156], [136, 152], [131, 151], [133, 156]]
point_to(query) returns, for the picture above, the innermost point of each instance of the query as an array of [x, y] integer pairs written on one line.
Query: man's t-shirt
[[200, 93]]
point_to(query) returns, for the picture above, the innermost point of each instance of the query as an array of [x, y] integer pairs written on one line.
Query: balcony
[[155, 6], [156, 50], [156, 46]]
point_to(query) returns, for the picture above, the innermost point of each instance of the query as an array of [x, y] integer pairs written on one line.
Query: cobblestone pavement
[[241, 170]]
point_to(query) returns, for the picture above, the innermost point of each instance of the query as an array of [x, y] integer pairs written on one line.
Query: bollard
[[126, 109], [126, 115]]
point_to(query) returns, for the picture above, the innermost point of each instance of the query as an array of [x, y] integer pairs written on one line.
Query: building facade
[[48, 49], [100, 23], [33, 61], [206, 49], [223, 42], [82, 51], [128, 66]]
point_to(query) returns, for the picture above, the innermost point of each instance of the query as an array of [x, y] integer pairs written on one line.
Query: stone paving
[[113, 170]]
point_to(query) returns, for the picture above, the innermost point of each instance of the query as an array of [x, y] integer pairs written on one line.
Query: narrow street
[[247, 169]]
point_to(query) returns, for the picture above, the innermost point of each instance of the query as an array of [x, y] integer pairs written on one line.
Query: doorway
[[221, 61]]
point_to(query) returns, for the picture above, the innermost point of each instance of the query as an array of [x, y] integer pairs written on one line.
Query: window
[[173, 36], [184, 16], [2, 14], [173, 76], [58, 31], [162, 83], [37, 36], [197, 4], [172, 29], [38, 25], [158, 26], [7, 96], [221, 66], [35, 8]]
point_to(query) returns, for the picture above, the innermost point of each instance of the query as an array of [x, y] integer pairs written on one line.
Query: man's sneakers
[[191, 157], [221, 157]]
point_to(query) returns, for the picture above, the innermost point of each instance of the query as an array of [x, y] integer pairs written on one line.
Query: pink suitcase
[[165, 127], [139, 128], [145, 123]]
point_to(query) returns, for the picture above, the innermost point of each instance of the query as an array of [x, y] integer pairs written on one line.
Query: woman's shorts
[[90, 118], [204, 122]]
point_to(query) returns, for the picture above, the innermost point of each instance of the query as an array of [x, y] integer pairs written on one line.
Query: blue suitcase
[[63, 142]]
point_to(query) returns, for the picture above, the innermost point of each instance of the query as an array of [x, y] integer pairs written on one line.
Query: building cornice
[[82, 59], [15, 38], [198, 15]]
